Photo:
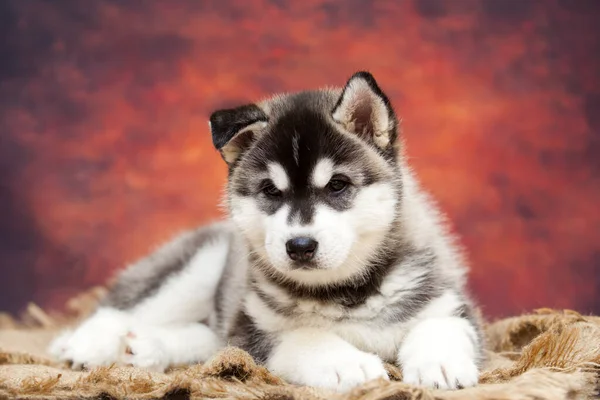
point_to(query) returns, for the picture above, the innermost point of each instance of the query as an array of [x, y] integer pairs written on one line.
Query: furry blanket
[[540, 356]]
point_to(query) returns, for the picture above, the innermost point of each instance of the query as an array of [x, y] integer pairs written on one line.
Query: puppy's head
[[313, 183]]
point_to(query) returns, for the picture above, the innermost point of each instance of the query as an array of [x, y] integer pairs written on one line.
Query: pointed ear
[[365, 110], [234, 129]]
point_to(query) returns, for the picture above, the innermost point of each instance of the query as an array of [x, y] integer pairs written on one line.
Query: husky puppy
[[333, 260]]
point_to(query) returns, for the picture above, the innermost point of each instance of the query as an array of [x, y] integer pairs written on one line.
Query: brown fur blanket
[[545, 355]]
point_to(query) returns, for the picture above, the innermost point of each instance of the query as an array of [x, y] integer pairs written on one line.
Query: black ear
[[365, 110], [233, 129]]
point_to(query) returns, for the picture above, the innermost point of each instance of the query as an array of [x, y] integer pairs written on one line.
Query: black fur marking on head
[[297, 141], [247, 336], [226, 123]]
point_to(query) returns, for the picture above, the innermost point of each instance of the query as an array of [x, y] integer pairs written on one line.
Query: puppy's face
[[313, 183]]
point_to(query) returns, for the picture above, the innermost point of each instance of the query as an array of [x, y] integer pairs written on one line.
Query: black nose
[[301, 248]]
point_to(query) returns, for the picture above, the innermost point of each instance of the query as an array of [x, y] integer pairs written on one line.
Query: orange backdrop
[[105, 150]]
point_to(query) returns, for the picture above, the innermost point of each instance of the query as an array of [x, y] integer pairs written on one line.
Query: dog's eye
[[337, 185], [270, 190]]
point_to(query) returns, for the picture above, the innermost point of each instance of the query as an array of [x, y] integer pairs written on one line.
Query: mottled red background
[[105, 150]]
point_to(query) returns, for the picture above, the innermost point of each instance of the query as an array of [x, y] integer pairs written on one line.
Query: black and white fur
[[333, 259]]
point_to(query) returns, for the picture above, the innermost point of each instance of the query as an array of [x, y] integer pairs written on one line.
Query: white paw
[[439, 353], [97, 341], [450, 371], [190, 344], [336, 365], [58, 346], [144, 350], [340, 371]]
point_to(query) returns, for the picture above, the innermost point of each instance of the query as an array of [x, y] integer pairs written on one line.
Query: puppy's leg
[[173, 286], [182, 287], [314, 357], [441, 351], [158, 347]]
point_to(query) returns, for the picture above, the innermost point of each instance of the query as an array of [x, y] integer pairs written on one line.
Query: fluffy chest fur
[[364, 327], [377, 324]]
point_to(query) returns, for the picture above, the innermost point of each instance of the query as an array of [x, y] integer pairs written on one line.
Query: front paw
[[340, 368], [98, 341], [145, 350], [440, 355], [448, 371]]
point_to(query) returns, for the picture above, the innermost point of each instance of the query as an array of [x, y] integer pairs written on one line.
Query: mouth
[[304, 266]]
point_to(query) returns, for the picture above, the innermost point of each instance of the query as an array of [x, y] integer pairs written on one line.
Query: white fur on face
[[322, 173], [334, 235], [347, 239], [278, 176], [247, 217]]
